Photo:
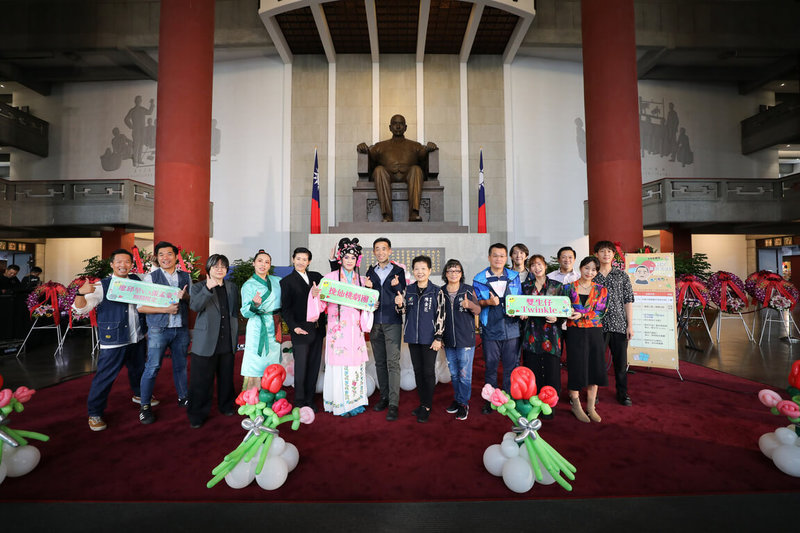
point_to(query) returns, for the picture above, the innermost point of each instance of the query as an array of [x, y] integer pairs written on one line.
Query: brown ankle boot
[[577, 410]]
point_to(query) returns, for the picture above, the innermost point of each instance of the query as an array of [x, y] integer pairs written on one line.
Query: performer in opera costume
[[261, 302], [345, 386]]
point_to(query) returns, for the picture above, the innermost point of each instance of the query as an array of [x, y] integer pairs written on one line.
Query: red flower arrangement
[[692, 291], [46, 300], [764, 286], [727, 291]]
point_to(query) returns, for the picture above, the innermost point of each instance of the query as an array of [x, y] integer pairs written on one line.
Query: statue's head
[[398, 125], [137, 100]]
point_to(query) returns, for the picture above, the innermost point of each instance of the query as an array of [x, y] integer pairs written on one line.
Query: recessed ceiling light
[[782, 84]]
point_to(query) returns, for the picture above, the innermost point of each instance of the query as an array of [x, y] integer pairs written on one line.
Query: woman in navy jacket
[[459, 304], [422, 331]]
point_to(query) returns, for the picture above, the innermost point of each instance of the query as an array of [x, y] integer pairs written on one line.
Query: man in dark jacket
[[389, 279]]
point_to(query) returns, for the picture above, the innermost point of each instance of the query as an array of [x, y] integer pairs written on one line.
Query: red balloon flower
[[523, 383], [549, 395], [274, 376]]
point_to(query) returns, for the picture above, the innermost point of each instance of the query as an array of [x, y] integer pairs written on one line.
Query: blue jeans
[[494, 352], [460, 362], [109, 363], [158, 339]]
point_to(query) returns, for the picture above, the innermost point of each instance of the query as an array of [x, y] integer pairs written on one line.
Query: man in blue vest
[[121, 334], [167, 327], [389, 279], [499, 332]]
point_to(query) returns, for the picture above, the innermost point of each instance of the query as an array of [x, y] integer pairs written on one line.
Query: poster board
[[655, 327], [338, 292], [534, 305], [140, 293]]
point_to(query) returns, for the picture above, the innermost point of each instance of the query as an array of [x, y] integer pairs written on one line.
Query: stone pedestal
[[366, 207]]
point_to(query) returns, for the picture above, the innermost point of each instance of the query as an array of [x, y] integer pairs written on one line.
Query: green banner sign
[[337, 292], [523, 305], [141, 293]]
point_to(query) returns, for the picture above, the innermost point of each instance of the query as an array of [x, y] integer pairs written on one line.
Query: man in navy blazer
[[306, 336], [389, 279]]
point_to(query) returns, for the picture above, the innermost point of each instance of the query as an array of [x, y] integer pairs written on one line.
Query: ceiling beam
[[372, 27], [649, 60], [422, 28], [517, 36], [11, 72], [142, 59], [471, 31], [324, 32], [277, 37], [74, 73], [785, 67], [700, 73]]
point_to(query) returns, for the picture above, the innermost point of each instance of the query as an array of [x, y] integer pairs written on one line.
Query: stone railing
[[72, 203]]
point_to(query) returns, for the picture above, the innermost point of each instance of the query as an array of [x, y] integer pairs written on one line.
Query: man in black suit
[[306, 336]]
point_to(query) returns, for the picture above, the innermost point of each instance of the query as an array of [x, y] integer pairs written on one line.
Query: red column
[[116, 239], [183, 134], [612, 122]]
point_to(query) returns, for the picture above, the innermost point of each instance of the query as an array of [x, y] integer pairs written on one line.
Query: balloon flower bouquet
[[783, 444], [263, 455], [524, 457], [17, 457]]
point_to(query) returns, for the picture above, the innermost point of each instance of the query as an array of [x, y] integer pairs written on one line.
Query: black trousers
[[546, 367], [201, 386], [307, 358], [424, 361], [618, 344]]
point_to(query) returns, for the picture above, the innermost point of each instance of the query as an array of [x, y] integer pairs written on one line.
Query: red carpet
[[692, 437]]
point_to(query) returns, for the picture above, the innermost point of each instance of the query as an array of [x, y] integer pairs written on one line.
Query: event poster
[[655, 329], [534, 305]]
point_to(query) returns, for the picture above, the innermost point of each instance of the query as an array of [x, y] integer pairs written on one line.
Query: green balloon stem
[[534, 460], [16, 436], [264, 452], [33, 435]]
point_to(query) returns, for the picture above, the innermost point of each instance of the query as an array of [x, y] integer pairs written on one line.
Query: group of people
[[426, 316]]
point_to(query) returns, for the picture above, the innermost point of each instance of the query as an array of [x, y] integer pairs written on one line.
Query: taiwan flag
[[481, 200], [315, 225]]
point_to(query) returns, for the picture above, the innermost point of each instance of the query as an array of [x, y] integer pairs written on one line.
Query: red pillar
[[116, 239], [183, 134], [612, 122], [676, 240]]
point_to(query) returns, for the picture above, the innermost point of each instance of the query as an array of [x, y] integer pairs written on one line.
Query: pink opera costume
[[345, 387]]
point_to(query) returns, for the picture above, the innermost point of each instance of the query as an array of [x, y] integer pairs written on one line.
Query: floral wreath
[[68, 299], [768, 289], [727, 291], [691, 291], [46, 300]]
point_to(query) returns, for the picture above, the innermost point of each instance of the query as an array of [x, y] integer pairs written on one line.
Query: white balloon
[[518, 475], [242, 474], [277, 447], [370, 385], [523, 452], [547, 479], [509, 448], [274, 474], [320, 381], [785, 435], [405, 357], [493, 460], [407, 380], [768, 443], [3, 472], [21, 461], [787, 459], [509, 435], [291, 456], [289, 381]]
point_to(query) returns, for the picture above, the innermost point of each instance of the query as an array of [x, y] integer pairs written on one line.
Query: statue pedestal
[[366, 207]]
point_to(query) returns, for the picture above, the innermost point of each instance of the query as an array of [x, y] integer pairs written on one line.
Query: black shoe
[[195, 425], [381, 405], [228, 413], [548, 417], [392, 414], [453, 407], [183, 402], [146, 415], [423, 414], [313, 407], [625, 400], [463, 412], [487, 408], [416, 410]]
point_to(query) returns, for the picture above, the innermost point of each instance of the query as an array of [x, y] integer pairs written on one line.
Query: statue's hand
[[362, 148], [431, 147]]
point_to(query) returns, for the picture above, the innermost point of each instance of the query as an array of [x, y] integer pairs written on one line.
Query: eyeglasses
[[220, 266], [454, 272]]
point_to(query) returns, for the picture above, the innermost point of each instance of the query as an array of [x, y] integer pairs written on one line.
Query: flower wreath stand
[[727, 292], [778, 313], [44, 301], [777, 297], [68, 300], [691, 300]]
